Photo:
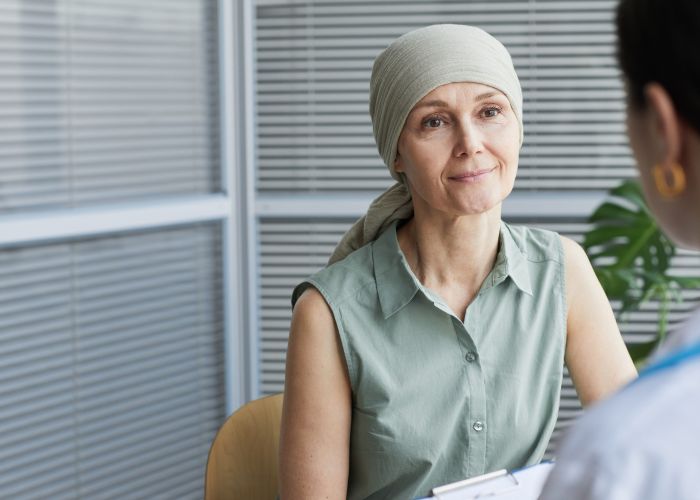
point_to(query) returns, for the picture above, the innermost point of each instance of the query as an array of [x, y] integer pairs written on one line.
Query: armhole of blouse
[[562, 292], [338, 319]]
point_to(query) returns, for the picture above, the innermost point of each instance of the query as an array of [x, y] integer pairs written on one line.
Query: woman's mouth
[[472, 176]]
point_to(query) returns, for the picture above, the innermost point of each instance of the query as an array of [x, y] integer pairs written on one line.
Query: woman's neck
[[452, 255]]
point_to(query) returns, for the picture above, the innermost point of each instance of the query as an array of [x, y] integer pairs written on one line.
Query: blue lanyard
[[682, 356]]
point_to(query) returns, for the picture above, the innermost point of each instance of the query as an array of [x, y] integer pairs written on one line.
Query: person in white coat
[[644, 442]]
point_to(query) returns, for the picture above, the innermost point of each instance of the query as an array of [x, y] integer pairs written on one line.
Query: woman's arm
[[596, 355], [315, 434]]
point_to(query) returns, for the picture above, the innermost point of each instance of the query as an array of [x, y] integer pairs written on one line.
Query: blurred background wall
[[170, 169]]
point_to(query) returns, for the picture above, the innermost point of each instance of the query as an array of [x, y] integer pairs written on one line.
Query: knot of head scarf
[[411, 67]]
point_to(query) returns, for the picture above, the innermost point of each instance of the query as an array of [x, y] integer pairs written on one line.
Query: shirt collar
[[512, 262], [397, 285]]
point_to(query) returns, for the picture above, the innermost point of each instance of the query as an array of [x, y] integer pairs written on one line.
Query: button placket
[[471, 352], [476, 423]]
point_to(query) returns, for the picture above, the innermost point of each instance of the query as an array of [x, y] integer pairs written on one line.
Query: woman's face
[[459, 149]]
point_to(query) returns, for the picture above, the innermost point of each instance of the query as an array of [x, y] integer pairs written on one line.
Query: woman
[[643, 443], [432, 348]]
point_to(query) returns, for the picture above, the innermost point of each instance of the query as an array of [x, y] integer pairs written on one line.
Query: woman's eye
[[491, 112], [433, 122]]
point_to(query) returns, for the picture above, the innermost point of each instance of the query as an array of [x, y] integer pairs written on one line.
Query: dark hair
[[659, 41]]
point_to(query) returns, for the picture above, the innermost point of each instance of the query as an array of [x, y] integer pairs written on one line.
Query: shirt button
[[478, 426], [470, 356]]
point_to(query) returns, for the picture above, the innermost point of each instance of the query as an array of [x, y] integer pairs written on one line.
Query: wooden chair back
[[242, 460]]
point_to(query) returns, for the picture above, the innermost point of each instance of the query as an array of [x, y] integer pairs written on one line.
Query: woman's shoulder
[[342, 279], [537, 244]]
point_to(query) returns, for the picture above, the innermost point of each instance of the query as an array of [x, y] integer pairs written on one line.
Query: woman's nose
[[469, 140]]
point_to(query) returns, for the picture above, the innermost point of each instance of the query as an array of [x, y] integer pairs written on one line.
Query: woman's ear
[[397, 163], [665, 124]]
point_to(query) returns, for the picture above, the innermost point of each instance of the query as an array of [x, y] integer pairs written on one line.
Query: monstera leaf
[[631, 257]]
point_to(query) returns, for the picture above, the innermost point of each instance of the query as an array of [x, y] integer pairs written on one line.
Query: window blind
[[111, 346], [111, 365], [314, 60], [106, 101]]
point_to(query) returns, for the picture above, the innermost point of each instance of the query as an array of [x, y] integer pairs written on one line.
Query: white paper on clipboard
[[522, 484]]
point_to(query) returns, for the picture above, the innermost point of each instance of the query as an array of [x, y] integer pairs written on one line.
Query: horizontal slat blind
[[106, 100], [111, 365], [292, 249], [313, 66]]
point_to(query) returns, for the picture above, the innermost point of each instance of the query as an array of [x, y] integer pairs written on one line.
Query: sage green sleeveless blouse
[[435, 399]]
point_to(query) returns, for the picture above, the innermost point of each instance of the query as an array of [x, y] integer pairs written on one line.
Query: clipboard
[[520, 484]]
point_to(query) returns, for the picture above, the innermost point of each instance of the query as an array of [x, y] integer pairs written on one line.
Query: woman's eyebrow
[[431, 104], [486, 95], [437, 103]]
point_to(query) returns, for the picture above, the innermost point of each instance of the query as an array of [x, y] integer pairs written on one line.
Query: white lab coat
[[643, 443]]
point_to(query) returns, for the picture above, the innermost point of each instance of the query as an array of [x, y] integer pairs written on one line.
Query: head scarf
[[411, 67]]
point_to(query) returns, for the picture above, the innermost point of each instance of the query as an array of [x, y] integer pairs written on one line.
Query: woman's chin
[[483, 203], [476, 207]]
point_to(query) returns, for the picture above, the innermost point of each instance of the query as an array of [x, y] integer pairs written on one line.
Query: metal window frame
[[69, 224], [236, 51], [231, 208]]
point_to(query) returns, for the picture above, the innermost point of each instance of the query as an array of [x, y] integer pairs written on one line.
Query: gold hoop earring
[[677, 180]]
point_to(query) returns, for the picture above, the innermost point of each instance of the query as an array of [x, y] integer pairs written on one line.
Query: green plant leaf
[[639, 352], [631, 258], [684, 282], [612, 211], [632, 192], [606, 235]]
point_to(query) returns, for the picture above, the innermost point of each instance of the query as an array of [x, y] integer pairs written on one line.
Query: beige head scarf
[[411, 67]]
